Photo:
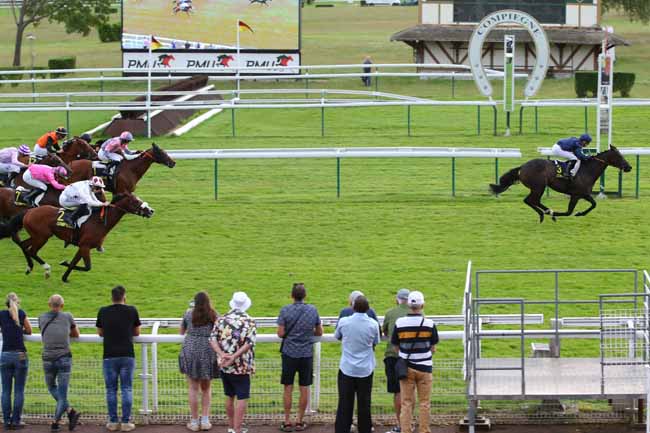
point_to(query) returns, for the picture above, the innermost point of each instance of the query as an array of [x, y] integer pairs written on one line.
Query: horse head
[[130, 203], [160, 156], [54, 160], [613, 157], [82, 148]]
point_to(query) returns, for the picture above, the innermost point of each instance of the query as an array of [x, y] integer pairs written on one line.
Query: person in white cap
[[233, 338], [415, 338]]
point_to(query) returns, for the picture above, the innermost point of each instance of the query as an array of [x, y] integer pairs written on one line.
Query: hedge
[[61, 63], [109, 32], [11, 76], [587, 82]]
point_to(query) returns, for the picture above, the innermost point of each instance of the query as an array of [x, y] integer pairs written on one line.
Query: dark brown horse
[[537, 174], [76, 148], [42, 223], [129, 171]]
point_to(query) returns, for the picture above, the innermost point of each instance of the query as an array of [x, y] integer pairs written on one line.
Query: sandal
[[301, 426], [287, 427]]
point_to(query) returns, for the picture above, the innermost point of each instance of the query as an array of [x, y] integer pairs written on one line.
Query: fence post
[[33, 86], [536, 121], [216, 179], [67, 111], [314, 403], [408, 119], [144, 376], [494, 108], [453, 176], [586, 120], [453, 85], [521, 119], [306, 83], [338, 177], [376, 81], [232, 119], [638, 171], [322, 113], [478, 119], [101, 86], [154, 367], [496, 170]]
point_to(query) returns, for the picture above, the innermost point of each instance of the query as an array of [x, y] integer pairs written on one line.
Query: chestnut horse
[[76, 148], [42, 223], [537, 174], [129, 172]]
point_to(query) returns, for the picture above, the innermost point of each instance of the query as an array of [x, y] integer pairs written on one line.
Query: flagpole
[[150, 64], [238, 59]]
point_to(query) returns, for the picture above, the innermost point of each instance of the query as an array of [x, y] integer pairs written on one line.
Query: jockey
[[49, 142], [81, 196], [39, 176], [117, 148], [12, 160], [571, 149]]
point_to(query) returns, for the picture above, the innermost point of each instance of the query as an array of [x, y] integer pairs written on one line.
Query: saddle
[[64, 218], [20, 199], [563, 168]]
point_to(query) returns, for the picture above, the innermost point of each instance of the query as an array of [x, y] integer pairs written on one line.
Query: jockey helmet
[[586, 138], [86, 137], [126, 136], [97, 181], [61, 171], [61, 131], [24, 149]]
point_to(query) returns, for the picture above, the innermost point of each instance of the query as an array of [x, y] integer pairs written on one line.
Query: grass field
[[395, 224]]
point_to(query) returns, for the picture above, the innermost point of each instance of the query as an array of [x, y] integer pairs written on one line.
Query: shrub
[[109, 32], [61, 63], [11, 76], [586, 82]]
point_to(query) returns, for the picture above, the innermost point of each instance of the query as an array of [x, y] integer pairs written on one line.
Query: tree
[[634, 9], [79, 16]]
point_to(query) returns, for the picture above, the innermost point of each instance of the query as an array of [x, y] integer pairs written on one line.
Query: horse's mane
[[118, 197]]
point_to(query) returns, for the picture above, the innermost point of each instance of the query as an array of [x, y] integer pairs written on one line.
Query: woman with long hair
[[197, 359], [13, 361]]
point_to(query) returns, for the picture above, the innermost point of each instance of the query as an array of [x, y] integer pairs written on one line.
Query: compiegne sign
[[537, 33]]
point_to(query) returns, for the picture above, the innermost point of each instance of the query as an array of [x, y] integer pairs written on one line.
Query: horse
[[537, 174], [41, 223], [77, 148], [129, 172]]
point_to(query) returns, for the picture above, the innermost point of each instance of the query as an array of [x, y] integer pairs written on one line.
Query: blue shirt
[[572, 145], [12, 334], [299, 320], [359, 334]]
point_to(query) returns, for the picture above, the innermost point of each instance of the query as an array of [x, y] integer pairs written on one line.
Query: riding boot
[[69, 217], [31, 196], [80, 212]]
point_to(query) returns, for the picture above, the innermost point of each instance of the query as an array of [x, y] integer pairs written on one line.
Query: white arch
[[537, 33]]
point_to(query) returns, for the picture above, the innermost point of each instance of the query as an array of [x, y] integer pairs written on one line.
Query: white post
[[150, 65], [238, 59], [154, 367], [508, 78], [144, 376], [313, 404]]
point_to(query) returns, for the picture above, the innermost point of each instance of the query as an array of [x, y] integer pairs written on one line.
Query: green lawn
[[395, 224]]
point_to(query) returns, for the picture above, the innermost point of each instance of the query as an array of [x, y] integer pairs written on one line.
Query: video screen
[[546, 12], [212, 24]]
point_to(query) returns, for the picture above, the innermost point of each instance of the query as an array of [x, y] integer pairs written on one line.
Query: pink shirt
[[44, 173], [113, 144]]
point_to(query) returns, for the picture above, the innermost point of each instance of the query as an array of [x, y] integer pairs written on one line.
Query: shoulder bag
[[401, 365]]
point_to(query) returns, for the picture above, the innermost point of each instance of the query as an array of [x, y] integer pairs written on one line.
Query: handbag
[[401, 365]]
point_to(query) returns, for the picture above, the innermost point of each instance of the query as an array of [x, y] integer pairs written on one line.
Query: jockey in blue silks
[[571, 149]]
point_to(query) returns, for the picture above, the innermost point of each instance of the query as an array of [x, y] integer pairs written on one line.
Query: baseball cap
[[403, 294], [415, 298]]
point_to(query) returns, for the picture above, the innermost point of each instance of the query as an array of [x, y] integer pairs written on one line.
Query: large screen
[[212, 24], [546, 12]]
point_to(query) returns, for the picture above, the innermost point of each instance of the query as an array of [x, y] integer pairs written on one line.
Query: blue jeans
[[119, 368], [13, 368], [57, 378]]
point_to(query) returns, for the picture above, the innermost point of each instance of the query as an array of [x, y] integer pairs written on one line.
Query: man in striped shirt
[[415, 338]]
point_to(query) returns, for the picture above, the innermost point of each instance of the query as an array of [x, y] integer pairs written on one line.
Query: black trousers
[[349, 387]]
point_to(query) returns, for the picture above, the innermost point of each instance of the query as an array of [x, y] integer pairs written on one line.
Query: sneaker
[[73, 419], [127, 426], [206, 425], [55, 427], [113, 426], [193, 426], [396, 429]]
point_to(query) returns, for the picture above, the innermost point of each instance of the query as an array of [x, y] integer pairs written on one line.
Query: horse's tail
[[506, 181], [12, 227]]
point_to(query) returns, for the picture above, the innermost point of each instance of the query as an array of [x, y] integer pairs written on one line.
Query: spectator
[[187, 45], [56, 329], [233, 338], [359, 334], [197, 359], [298, 323], [390, 356], [118, 324], [348, 311], [415, 337], [13, 361], [367, 70]]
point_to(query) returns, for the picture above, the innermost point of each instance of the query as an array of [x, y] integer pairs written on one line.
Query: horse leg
[[82, 252], [33, 248], [24, 247], [572, 205], [533, 201], [591, 200]]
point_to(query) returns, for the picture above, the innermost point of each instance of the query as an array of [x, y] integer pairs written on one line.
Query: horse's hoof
[[28, 271], [47, 275]]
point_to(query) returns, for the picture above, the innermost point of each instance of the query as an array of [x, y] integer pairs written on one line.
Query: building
[[573, 28]]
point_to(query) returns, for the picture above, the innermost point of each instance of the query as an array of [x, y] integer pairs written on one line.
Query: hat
[[415, 299], [240, 301], [354, 295], [403, 294]]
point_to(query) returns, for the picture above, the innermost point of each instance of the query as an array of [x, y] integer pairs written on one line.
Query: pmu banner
[[210, 62]]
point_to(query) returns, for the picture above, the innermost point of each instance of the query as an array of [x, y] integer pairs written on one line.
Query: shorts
[[236, 385], [302, 366], [392, 382]]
